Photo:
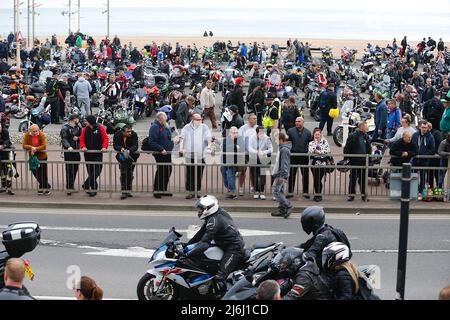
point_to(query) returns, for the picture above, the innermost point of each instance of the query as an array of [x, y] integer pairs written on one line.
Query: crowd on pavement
[[260, 128]]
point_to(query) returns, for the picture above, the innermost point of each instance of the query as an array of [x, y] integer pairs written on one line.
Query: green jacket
[[445, 122]]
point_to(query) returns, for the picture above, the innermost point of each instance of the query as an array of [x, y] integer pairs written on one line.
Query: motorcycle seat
[[262, 245], [366, 116], [246, 255]]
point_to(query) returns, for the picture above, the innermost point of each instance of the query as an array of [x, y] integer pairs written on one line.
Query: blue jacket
[[394, 118], [381, 115], [160, 138]]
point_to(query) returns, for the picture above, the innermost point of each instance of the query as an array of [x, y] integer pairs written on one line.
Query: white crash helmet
[[207, 205], [334, 254]]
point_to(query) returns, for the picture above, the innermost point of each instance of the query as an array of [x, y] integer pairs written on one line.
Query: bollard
[[403, 235]]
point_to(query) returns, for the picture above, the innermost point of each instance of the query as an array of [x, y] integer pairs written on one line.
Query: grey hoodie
[[82, 88], [282, 165]]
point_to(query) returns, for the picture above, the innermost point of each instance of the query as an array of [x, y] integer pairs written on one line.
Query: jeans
[[278, 187], [84, 104], [376, 135], [390, 133], [93, 169], [229, 178], [442, 172], [71, 168], [325, 118], [126, 174], [423, 173]]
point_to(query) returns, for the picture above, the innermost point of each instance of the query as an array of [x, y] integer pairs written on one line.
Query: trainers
[[307, 196], [364, 198], [256, 196], [277, 213], [289, 196], [252, 190], [262, 197], [40, 192], [350, 198], [419, 197], [241, 191], [288, 212], [123, 196]]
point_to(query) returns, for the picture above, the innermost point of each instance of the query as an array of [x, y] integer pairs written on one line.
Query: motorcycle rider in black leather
[[313, 221], [220, 227]]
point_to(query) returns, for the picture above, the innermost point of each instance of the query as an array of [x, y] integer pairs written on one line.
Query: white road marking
[[244, 232], [133, 252], [396, 251], [192, 214]]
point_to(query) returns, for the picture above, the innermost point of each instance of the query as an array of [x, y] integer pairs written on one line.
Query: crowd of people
[[273, 133]]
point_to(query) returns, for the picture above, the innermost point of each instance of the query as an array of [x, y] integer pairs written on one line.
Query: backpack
[[341, 237], [173, 113], [145, 144], [365, 293]]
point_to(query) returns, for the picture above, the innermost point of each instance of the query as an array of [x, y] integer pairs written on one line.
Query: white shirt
[[246, 132], [207, 98], [195, 140]]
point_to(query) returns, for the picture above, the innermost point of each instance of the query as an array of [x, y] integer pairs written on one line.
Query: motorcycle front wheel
[[145, 289]]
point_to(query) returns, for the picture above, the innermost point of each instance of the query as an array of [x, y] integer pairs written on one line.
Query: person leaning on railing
[[35, 142], [444, 152], [320, 148], [358, 143], [403, 150]]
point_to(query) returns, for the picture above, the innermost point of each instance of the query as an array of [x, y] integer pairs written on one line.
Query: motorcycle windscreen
[[172, 236], [346, 108]]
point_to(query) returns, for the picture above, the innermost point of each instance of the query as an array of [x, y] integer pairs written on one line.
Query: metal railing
[[373, 177]]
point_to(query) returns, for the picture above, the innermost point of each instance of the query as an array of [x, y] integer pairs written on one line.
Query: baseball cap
[[446, 98]]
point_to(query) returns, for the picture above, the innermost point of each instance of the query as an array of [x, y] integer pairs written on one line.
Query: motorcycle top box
[[21, 237]]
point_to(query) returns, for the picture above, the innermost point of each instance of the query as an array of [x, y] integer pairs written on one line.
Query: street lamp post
[[107, 18]]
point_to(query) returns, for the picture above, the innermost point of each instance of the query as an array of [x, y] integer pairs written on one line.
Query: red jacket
[[108, 53], [88, 140]]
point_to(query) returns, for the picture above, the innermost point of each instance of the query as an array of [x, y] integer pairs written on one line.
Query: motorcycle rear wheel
[[338, 136], [145, 292], [23, 126]]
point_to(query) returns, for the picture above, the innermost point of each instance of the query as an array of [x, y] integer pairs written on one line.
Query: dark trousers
[[71, 168], [126, 174], [360, 176], [231, 259], [318, 174], [54, 110], [163, 172], [41, 175], [259, 181], [433, 175], [191, 184], [296, 160], [423, 173], [94, 170], [325, 118]]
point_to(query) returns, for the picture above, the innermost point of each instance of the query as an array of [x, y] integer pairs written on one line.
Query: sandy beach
[[336, 44]]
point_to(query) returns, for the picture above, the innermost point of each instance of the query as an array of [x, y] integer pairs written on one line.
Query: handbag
[[330, 162], [34, 163]]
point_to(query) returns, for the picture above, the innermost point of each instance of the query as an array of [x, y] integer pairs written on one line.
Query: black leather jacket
[[310, 284], [314, 246], [219, 227], [14, 293], [68, 133]]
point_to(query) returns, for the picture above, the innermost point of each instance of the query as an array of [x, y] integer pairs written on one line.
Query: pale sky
[[441, 6]]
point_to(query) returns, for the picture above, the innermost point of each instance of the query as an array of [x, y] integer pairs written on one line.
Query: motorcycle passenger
[[313, 221], [343, 275], [308, 282], [220, 227], [111, 92]]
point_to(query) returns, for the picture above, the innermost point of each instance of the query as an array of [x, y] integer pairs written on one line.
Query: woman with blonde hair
[[344, 275], [87, 289]]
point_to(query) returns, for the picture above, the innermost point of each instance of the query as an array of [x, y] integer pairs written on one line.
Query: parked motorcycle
[[353, 116], [18, 239], [170, 277]]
